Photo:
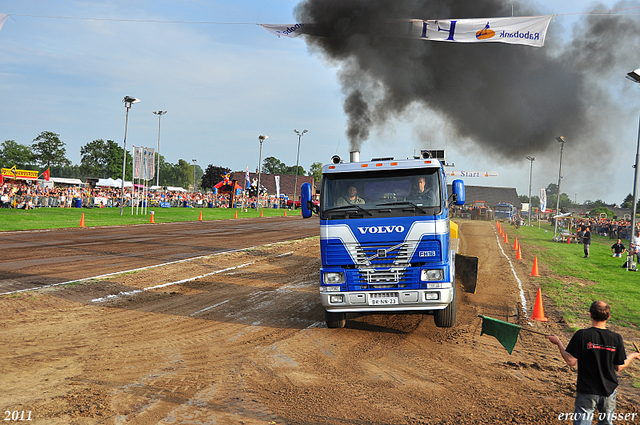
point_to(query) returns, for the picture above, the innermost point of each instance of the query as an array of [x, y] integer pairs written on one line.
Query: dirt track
[[245, 344]]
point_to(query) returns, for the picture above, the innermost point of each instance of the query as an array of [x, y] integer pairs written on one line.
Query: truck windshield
[[389, 193]]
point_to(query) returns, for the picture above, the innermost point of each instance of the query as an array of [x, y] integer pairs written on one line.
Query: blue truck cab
[[384, 238], [505, 211]]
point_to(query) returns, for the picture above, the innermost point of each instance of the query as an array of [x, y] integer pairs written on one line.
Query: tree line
[[103, 159]]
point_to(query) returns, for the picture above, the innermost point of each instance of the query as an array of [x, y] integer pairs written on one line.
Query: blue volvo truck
[[385, 238]]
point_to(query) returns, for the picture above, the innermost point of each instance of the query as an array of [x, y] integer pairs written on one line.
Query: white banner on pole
[[137, 162], [527, 30], [543, 200], [277, 186]]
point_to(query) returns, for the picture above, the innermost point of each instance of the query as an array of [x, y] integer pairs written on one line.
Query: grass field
[[573, 282], [56, 218]]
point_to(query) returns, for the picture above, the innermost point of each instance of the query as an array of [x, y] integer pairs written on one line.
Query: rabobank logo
[[290, 30], [485, 33]]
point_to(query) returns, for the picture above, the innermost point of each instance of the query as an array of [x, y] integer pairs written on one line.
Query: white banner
[[148, 163], [543, 200], [290, 30], [472, 173], [137, 162], [528, 30], [277, 186], [3, 17]]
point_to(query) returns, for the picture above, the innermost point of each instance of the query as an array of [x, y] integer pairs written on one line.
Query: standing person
[[586, 241], [599, 354]]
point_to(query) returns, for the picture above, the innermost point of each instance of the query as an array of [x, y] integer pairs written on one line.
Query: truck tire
[[335, 320], [447, 318]]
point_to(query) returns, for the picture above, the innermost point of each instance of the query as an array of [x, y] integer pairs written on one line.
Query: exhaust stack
[[354, 156]]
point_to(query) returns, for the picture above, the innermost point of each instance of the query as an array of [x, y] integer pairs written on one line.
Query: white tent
[[126, 183], [107, 182], [175, 189]]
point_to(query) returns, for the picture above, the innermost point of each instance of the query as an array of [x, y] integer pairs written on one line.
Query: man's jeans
[[586, 405]]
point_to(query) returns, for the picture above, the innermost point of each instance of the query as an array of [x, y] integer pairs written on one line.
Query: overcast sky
[[224, 81]]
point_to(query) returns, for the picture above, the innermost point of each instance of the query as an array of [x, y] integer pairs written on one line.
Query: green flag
[[505, 333]]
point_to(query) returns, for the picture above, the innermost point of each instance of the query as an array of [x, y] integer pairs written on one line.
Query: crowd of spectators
[[23, 195]]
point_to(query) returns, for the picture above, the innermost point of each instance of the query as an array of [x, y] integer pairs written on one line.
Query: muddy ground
[[239, 338]]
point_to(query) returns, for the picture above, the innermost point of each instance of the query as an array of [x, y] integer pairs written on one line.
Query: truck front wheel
[[447, 318], [335, 320]]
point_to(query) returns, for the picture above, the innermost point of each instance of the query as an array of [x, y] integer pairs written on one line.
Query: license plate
[[383, 301]]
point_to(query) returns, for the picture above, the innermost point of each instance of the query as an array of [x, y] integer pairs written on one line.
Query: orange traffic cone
[[538, 309], [519, 254], [505, 238], [515, 244], [501, 232], [152, 220], [285, 212], [534, 271], [200, 218], [236, 215], [261, 213], [82, 221]]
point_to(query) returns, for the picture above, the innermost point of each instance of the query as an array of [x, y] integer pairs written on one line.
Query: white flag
[[528, 30], [277, 178], [290, 30], [135, 152], [3, 17], [543, 200]]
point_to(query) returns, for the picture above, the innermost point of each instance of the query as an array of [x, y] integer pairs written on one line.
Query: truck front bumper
[[391, 300]]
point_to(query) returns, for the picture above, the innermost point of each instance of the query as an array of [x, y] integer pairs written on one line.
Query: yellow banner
[[12, 173]]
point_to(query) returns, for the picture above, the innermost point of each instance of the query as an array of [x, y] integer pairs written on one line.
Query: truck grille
[[385, 255]]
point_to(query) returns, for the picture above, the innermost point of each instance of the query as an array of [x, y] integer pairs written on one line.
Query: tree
[[628, 201], [183, 173], [101, 159], [315, 170], [12, 153], [272, 165], [214, 175], [49, 150], [552, 189]]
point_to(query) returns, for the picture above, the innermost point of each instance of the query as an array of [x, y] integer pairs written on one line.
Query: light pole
[[555, 227], [635, 77], [159, 114], [128, 101], [261, 138], [295, 185], [531, 159], [194, 174]]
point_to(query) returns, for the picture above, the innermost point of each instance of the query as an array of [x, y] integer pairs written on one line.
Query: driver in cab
[[422, 192], [351, 198]]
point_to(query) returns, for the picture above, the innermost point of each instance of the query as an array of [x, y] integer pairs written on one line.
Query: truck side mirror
[[457, 187], [305, 198]]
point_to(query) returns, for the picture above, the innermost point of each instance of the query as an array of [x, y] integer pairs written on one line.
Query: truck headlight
[[435, 274], [333, 278], [337, 299]]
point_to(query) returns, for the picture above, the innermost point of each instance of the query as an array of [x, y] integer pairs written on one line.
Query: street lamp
[[555, 227], [194, 174], [530, 158], [635, 77], [261, 138], [295, 185], [128, 101], [159, 114]]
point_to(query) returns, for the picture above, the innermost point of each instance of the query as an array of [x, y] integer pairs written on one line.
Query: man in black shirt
[[586, 241], [618, 249], [599, 354]]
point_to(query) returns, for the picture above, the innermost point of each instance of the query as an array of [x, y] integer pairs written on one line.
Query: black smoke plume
[[507, 99]]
